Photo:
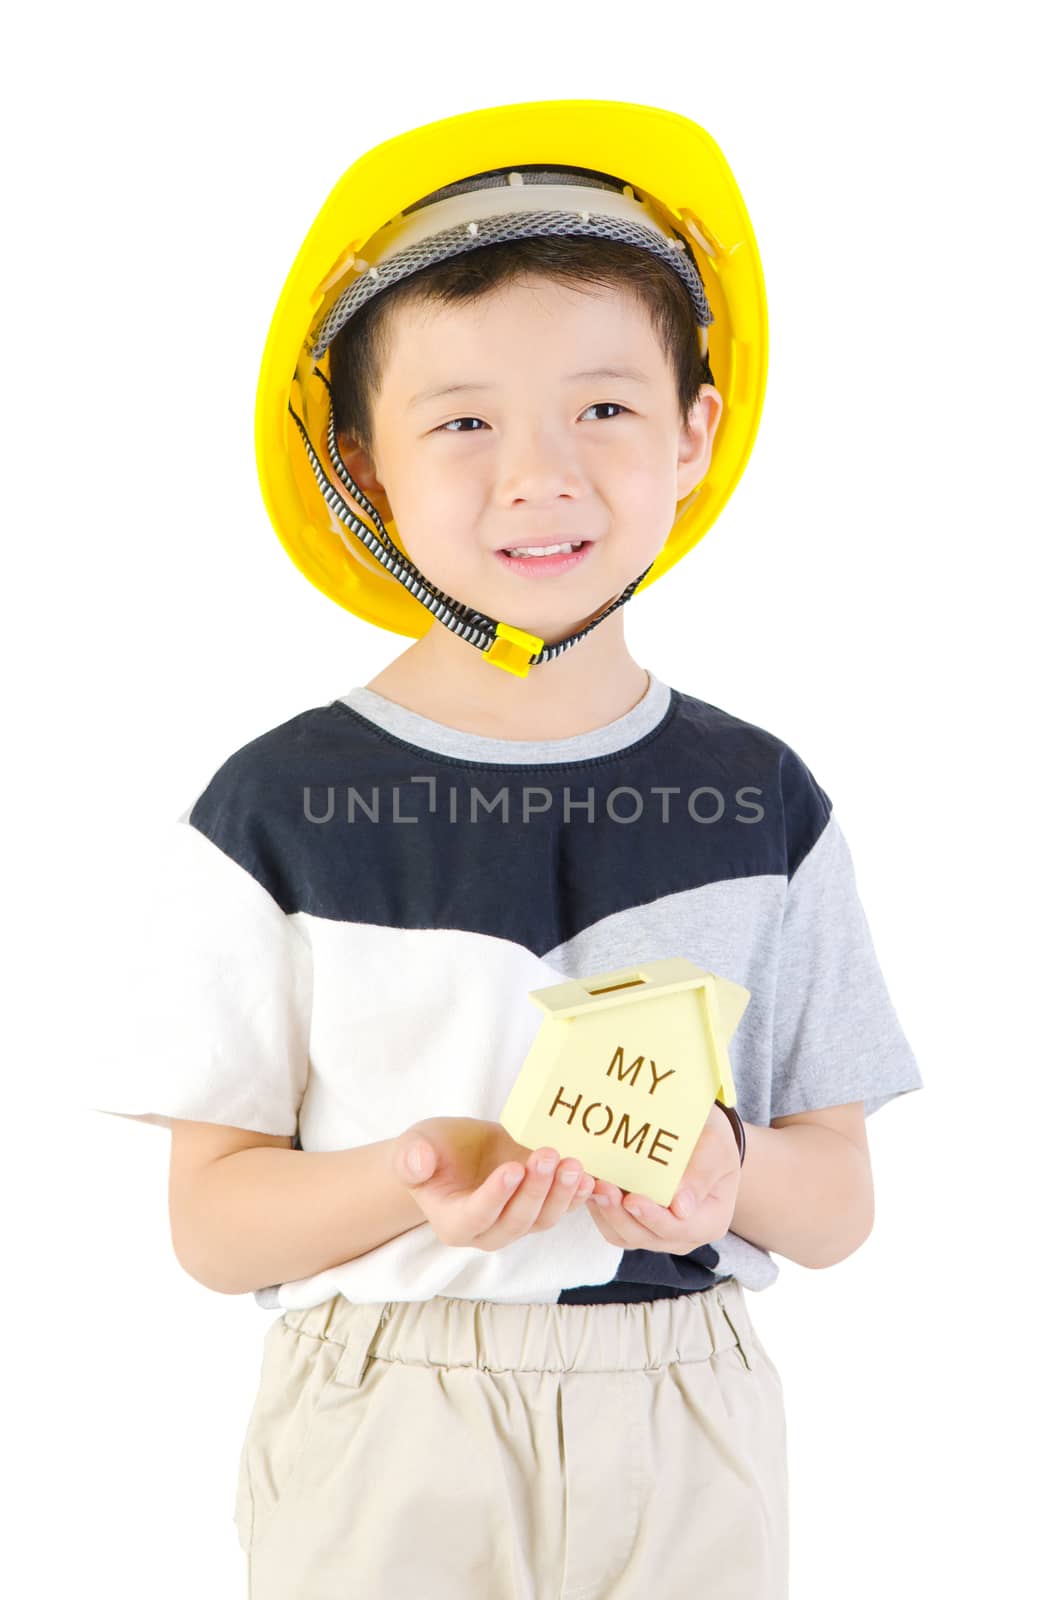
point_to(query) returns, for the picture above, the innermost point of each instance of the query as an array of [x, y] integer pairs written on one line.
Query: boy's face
[[541, 457]]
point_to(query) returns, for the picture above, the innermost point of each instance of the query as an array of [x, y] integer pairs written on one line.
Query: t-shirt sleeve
[[206, 1015], [836, 1035]]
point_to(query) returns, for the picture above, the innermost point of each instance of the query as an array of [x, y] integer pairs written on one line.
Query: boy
[[493, 1374]]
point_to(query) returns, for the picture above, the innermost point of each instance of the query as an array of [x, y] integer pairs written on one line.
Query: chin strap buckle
[[512, 649]]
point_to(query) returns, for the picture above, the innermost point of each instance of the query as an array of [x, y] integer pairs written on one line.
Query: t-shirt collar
[[440, 739]]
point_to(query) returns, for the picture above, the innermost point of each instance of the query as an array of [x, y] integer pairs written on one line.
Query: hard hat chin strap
[[503, 645]]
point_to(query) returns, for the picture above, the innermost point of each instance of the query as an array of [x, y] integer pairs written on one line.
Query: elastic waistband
[[499, 1336]]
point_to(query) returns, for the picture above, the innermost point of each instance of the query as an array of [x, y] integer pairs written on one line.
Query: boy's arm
[[265, 1214], [806, 1187]]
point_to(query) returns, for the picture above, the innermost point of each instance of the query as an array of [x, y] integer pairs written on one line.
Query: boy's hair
[[358, 351]]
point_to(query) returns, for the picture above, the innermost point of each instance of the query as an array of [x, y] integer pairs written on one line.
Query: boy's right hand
[[460, 1186]]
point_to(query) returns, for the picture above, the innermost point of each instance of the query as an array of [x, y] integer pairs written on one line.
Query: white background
[[878, 592]]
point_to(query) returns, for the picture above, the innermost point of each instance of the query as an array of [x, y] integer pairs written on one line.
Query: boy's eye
[[611, 404], [446, 426]]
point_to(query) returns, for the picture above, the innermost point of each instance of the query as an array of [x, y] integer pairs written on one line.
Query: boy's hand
[[460, 1186], [711, 1181]]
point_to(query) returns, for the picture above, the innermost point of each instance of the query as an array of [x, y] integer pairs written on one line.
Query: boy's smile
[[536, 415], [540, 560]]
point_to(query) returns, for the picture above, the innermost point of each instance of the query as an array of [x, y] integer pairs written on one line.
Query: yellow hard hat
[[575, 167]]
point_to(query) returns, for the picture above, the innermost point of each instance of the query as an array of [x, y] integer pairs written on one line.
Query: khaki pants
[[479, 1450]]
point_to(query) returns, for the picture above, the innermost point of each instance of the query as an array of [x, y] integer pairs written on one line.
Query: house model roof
[[648, 980]]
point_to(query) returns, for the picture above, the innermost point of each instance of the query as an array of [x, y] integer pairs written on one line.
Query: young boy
[[495, 1375]]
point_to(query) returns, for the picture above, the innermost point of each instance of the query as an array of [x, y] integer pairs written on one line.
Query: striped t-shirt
[[349, 917]]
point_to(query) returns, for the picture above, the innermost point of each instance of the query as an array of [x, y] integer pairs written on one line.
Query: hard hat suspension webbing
[[450, 242]]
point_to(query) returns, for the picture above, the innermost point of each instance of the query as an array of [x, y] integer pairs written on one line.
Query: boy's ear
[[697, 440], [361, 468]]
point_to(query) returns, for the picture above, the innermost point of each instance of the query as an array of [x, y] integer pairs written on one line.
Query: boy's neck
[[444, 678]]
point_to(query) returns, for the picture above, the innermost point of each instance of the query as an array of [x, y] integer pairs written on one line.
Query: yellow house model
[[625, 1068]]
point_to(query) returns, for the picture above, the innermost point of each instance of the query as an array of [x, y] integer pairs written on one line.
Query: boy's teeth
[[544, 549]]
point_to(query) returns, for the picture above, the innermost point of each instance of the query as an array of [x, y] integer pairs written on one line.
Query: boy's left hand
[[712, 1181]]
